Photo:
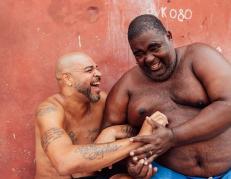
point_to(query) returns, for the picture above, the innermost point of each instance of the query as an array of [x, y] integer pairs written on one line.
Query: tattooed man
[[69, 122]]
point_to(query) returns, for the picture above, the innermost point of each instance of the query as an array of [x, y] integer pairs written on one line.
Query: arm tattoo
[[92, 152], [45, 110], [128, 131], [50, 136]]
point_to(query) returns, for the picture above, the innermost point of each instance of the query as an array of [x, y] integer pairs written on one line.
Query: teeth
[[95, 84], [156, 65]]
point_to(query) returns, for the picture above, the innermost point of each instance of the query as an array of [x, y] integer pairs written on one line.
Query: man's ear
[[67, 79], [169, 35]]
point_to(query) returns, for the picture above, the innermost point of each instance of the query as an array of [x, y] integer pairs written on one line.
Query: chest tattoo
[[73, 137]]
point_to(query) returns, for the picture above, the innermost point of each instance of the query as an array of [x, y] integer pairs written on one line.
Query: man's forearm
[[93, 157], [210, 122], [116, 132]]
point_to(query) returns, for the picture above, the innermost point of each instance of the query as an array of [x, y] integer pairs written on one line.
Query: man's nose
[[149, 58], [97, 73]]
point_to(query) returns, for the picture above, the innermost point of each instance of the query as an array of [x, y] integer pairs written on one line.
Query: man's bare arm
[[68, 158], [116, 104], [214, 72], [116, 132]]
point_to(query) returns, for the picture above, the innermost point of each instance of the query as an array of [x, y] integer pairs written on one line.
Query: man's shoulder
[[197, 45], [195, 52], [129, 76], [203, 58], [197, 48], [53, 100], [134, 70], [50, 105]]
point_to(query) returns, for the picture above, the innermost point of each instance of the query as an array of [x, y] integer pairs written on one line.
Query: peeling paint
[[219, 49], [14, 136], [79, 41]]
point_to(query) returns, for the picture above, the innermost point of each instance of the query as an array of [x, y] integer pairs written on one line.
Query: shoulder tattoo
[[51, 135], [94, 152], [44, 110]]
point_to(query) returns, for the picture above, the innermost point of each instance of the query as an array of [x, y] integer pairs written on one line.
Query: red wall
[[33, 34]]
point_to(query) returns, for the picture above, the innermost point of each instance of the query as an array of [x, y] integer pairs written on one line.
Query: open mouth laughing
[[155, 66], [95, 85]]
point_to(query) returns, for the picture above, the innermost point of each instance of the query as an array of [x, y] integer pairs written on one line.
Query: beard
[[87, 92]]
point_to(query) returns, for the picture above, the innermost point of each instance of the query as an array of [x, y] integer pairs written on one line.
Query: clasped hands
[[157, 139]]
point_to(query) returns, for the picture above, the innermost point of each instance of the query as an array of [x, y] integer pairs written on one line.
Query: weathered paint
[[35, 33]]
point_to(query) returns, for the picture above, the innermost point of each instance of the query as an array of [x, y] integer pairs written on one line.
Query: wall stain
[[70, 13]]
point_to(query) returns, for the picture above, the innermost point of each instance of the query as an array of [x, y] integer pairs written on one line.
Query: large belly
[[209, 158]]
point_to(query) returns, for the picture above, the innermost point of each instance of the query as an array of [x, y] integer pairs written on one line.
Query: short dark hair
[[144, 23]]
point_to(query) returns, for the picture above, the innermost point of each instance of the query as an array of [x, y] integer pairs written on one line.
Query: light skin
[[68, 123], [195, 97]]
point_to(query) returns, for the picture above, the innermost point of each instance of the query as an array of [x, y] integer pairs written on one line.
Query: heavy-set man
[[191, 85]]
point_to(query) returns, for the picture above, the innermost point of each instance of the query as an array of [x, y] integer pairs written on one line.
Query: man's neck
[[76, 104]]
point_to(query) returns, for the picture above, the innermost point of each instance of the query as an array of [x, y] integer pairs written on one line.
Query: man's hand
[[139, 166], [160, 118], [140, 169], [157, 143], [147, 127]]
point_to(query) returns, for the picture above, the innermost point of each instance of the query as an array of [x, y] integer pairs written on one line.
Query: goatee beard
[[87, 92]]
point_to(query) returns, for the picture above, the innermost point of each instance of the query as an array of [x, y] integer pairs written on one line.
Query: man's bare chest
[[83, 131], [174, 99]]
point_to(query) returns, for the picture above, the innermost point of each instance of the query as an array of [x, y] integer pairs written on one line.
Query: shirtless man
[[191, 85], [68, 123]]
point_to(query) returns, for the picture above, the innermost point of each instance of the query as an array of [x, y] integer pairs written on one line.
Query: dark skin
[[191, 85]]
